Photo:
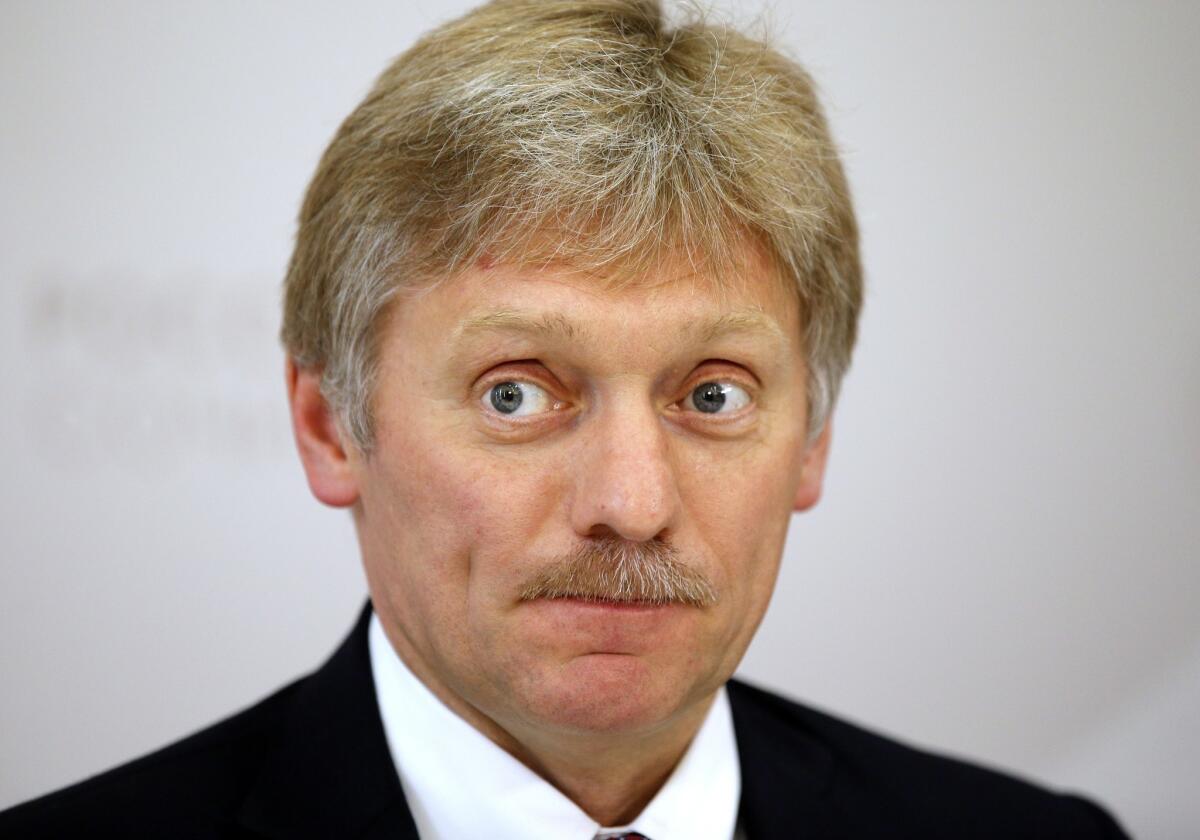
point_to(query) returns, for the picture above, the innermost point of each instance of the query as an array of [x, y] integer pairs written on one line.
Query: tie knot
[[624, 835]]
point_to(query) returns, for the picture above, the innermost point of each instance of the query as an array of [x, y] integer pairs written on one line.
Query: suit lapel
[[330, 773], [786, 773]]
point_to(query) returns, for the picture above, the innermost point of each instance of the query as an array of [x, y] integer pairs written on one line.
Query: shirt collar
[[460, 784]]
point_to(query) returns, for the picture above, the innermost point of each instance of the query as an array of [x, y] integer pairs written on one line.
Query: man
[[571, 299]]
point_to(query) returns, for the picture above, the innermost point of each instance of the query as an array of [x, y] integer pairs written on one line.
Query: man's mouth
[[618, 603]]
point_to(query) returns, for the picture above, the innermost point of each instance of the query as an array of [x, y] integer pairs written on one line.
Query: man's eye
[[518, 399], [719, 398]]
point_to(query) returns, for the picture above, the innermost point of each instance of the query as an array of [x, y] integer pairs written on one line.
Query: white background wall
[[1004, 565]]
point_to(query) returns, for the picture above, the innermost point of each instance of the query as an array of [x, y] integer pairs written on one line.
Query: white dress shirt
[[462, 786]]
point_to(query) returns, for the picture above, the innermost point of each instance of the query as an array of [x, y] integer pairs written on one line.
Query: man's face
[[523, 416]]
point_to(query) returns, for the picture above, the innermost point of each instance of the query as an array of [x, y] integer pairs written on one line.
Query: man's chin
[[608, 694]]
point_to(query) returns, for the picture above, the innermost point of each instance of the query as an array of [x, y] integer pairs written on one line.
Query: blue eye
[[507, 397], [517, 399], [719, 398]]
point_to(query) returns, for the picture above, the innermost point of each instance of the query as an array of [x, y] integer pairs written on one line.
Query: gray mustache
[[627, 572]]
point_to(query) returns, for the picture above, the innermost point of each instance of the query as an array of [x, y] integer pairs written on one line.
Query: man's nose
[[626, 480]]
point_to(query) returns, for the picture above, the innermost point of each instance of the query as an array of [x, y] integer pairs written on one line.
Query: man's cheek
[[511, 498]]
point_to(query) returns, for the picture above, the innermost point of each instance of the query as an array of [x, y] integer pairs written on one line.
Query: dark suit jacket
[[311, 761]]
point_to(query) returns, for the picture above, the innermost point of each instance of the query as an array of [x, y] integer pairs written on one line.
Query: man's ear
[[327, 462], [813, 474]]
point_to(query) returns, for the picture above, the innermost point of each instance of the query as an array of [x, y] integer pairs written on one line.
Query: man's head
[[571, 299]]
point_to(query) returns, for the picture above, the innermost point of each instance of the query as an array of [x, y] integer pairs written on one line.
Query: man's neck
[[611, 777]]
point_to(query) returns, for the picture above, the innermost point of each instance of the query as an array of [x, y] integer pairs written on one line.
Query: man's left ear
[[813, 475]]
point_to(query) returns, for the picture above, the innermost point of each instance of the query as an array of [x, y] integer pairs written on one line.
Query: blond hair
[[582, 131]]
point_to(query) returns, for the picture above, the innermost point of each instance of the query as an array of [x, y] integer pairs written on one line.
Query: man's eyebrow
[[742, 321], [548, 325], [557, 326]]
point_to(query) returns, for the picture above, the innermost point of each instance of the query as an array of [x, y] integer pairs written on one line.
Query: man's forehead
[[703, 297]]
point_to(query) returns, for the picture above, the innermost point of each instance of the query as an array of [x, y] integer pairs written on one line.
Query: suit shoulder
[[201, 779], [918, 788]]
